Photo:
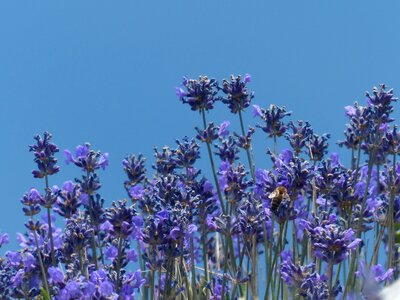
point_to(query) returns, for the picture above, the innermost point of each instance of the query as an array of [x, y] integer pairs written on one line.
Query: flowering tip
[[257, 111], [68, 157], [180, 92], [354, 244], [223, 129], [247, 78], [350, 110]]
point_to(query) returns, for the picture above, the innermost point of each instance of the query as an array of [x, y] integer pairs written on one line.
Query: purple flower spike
[[272, 117], [44, 152], [86, 159], [200, 94], [223, 129], [237, 96], [330, 242], [4, 239]]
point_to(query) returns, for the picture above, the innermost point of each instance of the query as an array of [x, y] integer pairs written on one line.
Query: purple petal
[[350, 110], [68, 157], [247, 78], [257, 111]]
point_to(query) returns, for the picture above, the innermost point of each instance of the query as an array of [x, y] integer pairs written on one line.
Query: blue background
[[106, 71]]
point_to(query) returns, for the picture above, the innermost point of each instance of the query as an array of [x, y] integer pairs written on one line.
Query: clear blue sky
[[105, 72]]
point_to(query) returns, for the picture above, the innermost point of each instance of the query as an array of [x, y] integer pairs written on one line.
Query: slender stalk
[[159, 283], [375, 255], [338, 272], [93, 238], [254, 268], [46, 286], [277, 250], [186, 278], [217, 251], [251, 164], [235, 283], [294, 241], [213, 165], [281, 247], [168, 278], [53, 257], [152, 284], [205, 257], [330, 278], [391, 231], [83, 268], [266, 248], [117, 285], [192, 263], [350, 278], [224, 270]]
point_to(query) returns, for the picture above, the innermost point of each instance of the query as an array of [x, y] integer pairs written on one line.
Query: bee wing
[[274, 194]]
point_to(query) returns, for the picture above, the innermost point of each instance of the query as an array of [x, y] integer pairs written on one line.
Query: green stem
[[205, 257], [152, 284], [391, 231], [117, 285], [254, 268], [241, 259], [350, 278], [330, 276], [93, 238], [46, 286], [53, 257], [294, 241], [266, 249], [213, 165], [251, 165], [338, 272], [377, 245], [194, 289], [224, 270], [277, 250]]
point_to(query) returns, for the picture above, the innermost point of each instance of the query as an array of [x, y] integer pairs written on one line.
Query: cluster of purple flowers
[[324, 230]]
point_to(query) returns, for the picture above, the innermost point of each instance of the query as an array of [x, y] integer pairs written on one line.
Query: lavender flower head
[[308, 284], [237, 96], [44, 152], [32, 201], [318, 146], [330, 241], [200, 94], [381, 101], [272, 117], [299, 135], [134, 169], [208, 135], [86, 159], [69, 199], [187, 153]]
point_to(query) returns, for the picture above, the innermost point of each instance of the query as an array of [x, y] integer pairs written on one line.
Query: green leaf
[[45, 295]]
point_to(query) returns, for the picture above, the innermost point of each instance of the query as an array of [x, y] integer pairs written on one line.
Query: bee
[[277, 196]]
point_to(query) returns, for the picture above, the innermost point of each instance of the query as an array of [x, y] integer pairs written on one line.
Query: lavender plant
[[308, 227]]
